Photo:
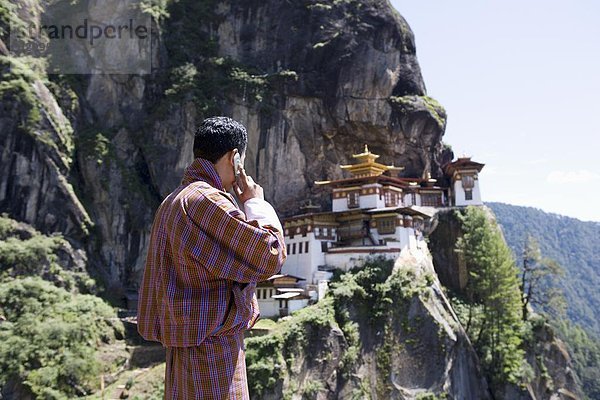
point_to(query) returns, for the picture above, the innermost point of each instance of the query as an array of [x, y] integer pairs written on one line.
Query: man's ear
[[229, 156]]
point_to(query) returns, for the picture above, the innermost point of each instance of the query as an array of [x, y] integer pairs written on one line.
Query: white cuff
[[262, 212]]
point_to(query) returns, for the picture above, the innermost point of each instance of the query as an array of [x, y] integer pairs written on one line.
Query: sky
[[520, 81]]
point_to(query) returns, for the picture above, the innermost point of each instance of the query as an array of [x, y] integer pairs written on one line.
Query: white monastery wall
[[268, 308], [459, 195]]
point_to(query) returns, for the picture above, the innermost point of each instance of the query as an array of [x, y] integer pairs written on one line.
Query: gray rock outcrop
[[313, 82], [387, 333], [36, 150]]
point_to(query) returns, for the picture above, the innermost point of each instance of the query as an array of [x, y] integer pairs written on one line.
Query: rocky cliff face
[[312, 82], [553, 373], [36, 154], [386, 332], [356, 81]]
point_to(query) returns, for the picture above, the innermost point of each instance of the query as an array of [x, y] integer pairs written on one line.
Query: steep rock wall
[[354, 63], [313, 83], [36, 150]]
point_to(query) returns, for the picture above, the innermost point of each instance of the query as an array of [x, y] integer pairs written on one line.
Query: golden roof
[[430, 179], [366, 155], [367, 166]]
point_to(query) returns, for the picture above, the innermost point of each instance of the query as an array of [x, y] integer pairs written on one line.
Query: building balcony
[[377, 248]]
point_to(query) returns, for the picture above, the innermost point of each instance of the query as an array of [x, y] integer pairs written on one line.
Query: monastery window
[[293, 248], [306, 247], [258, 292], [386, 225], [468, 182], [353, 198], [468, 194], [324, 247], [300, 248], [288, 248], [325, 232], [431, 199], [270, 293], [391, 199]]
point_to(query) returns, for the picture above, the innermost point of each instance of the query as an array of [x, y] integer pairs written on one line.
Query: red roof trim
[[370, 251]]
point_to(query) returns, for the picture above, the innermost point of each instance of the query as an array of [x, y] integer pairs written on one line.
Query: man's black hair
[[218, 135]]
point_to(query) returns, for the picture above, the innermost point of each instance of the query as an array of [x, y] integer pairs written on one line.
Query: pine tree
[[537, 274], [494, 322]]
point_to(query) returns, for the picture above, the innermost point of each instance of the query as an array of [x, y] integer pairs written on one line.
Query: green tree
[[537, 275], [49, 339], [494, 299], [574, 245]]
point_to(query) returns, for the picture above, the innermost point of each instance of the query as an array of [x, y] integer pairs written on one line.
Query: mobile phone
[[237, 167]]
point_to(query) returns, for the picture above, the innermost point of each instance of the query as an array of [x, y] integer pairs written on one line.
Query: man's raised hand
[[250, 188]]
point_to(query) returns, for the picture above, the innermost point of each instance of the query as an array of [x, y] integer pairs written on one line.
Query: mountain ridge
[[549, 213]]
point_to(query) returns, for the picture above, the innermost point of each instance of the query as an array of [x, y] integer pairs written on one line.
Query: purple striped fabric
[[203, 262], [187, 376]]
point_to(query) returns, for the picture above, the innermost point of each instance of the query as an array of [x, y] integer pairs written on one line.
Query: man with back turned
[[205, 256]]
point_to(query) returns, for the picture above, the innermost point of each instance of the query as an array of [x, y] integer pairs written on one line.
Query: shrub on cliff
[[368, 298], [48, 340], [26, 252]]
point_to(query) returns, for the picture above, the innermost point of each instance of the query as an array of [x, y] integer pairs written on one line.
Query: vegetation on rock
[[492, 317], [271, 358], [17, 77], [26, 252], [369, 305], [50, 333], [409, 103], [584, 349], [49, 339]]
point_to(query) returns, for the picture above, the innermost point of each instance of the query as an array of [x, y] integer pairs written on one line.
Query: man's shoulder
[[207, 192], [200, 195], [197, 190]]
